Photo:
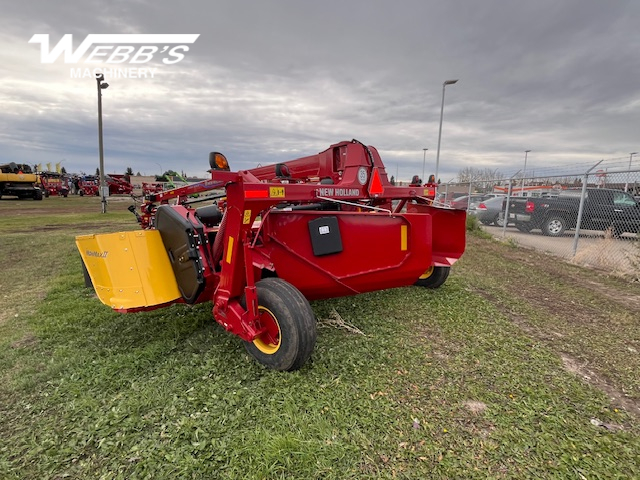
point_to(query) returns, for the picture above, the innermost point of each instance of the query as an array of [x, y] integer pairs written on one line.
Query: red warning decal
[[375, 187]]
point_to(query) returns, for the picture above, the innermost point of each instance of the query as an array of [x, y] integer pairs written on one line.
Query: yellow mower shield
[[129, 270]]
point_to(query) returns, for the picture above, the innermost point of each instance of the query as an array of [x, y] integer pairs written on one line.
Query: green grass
[[592, 318], [443, 384]]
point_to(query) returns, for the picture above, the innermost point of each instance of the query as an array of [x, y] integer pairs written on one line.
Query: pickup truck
[[604, 209]]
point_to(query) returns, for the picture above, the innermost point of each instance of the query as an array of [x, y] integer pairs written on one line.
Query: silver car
[[491, 211]]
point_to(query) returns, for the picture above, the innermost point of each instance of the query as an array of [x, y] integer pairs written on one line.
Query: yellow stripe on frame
[[229, 249], [403, 238]]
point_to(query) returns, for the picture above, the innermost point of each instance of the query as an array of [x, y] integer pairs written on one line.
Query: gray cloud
[[272, 80]]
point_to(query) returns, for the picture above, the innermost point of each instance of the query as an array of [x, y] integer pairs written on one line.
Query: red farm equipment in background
[[119, 184], [149, 188], [53, 183], [274, 237], [88, 185]]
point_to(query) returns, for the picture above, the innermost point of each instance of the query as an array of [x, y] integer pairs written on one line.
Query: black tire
[[37, 195], [81, 193], [554, 226], [434, 277], [46, 194], [291, 345]]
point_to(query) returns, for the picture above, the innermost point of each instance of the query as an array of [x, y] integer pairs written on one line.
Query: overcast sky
[[272, 80]]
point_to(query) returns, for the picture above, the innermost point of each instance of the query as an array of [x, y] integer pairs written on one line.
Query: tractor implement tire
[[290, 335], [434, 277]]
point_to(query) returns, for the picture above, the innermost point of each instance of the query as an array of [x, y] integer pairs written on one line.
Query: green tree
[[129, 171]]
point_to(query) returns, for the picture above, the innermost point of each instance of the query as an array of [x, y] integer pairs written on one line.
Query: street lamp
[[447, 82], [424, 159], [103, 186], [523, 172], [626, 184]]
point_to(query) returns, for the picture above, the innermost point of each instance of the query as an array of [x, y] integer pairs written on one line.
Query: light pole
[[626, 184], [523, 172], [424, 159], [447, 82], [103, 186]]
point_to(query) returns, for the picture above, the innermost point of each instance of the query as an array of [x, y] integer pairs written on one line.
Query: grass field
[[518, 367]]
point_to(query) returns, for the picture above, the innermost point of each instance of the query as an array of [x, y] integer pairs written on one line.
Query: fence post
[[506, 211], [583, 195], [469, 196], [446, 191]]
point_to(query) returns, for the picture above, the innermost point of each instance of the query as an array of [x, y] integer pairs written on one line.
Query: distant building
[[138, 180]]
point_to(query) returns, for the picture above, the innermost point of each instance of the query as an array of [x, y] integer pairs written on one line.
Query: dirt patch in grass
[[615, 289], [27, 341], [475, 406], [573, 365], [587, 317], [583, 371]]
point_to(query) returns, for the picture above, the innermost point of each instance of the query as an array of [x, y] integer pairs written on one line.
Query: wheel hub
[[269, 340]]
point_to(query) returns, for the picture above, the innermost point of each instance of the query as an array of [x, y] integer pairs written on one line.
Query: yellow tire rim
[[269, 340], [428, 273]]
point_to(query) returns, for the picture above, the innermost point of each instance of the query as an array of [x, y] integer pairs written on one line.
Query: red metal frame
[[118, 185], [390, 234]]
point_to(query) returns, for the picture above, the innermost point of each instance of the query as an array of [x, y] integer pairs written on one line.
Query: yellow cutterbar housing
[[129, 270]]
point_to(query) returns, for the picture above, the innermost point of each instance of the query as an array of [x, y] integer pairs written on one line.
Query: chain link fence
[[590, 218]]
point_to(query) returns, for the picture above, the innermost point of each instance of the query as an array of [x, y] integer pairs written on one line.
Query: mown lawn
[[413, 384]]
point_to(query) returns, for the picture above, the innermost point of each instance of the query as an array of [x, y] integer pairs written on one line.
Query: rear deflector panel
[[129, 270]]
